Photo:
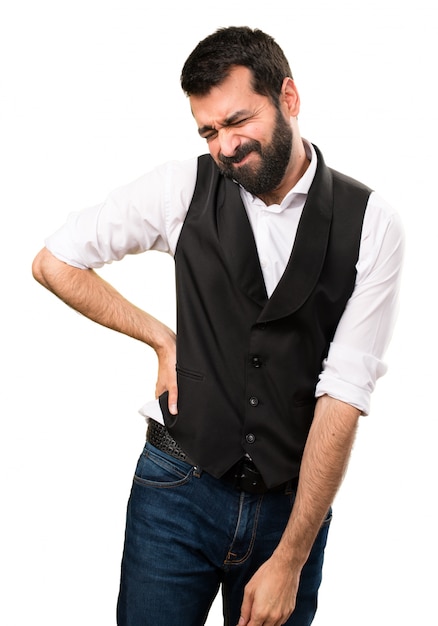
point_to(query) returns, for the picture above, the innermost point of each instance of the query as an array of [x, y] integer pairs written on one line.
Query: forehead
[[234, 94]]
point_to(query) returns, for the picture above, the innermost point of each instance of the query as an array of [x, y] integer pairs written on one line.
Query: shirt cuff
[[350, 376], [152, 411]]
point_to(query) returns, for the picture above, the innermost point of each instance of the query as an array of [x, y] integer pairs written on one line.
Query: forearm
[[323, 467], [271, 593], [86, 292]]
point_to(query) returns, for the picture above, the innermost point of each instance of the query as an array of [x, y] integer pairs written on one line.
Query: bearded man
[[287, 274]]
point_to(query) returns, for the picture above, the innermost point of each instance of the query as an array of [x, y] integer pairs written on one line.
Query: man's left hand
[[270, 595]]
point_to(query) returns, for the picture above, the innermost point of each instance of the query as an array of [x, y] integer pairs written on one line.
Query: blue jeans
[[188, 533]]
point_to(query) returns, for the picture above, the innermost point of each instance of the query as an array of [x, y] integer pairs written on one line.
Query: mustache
[[241, 152]]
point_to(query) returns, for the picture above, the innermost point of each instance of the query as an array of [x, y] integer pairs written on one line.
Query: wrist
[[291, 554], [164, 340]]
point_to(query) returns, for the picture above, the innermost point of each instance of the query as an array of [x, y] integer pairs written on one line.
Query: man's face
[[248, 137]]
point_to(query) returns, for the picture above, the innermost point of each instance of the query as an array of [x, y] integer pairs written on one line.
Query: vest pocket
[[191, 374]]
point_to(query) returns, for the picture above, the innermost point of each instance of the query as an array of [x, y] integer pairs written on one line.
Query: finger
[[245, 611], [173, 400]]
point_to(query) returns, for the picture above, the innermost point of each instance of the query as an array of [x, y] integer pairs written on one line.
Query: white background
[[90, 100]]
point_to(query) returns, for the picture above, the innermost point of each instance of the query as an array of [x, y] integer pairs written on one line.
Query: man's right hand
[[166, 380]]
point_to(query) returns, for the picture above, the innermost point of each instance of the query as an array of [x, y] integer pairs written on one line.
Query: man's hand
[[166, 380], [270, 595]]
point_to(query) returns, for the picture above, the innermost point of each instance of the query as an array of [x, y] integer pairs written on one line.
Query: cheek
[[257, 131]]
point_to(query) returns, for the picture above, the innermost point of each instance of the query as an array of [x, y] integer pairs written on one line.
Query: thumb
[[173, 401]]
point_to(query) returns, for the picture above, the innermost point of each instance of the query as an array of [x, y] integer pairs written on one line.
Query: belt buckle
[[249, 479]]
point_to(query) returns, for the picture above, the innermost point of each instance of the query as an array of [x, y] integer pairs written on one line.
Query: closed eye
[[208, 135], [239, 122], [234, 121]]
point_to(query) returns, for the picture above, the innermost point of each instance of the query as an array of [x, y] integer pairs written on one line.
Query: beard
[[267, 175]]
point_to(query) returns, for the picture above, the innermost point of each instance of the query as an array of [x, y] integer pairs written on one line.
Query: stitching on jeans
[[253, 535], [180, 477]]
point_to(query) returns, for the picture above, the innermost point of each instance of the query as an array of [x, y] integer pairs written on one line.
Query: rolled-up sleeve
[[146, 214], [355, 358]]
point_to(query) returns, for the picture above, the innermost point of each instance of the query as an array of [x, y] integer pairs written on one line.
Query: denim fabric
[[188, 533]]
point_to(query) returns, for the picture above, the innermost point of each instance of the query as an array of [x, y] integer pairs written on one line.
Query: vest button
[[256, 361], [253, 401], [250, 438]]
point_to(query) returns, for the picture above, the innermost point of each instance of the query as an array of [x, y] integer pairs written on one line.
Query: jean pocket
[[158, 469]]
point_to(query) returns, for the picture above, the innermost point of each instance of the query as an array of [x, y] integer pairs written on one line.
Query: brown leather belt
[[243, 476]]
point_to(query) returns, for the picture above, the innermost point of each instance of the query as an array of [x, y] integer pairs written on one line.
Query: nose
[[228, 141]]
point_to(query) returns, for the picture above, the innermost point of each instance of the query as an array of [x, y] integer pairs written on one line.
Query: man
[[287, 278]]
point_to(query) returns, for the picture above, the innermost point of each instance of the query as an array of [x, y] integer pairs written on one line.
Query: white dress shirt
[[149, 213]]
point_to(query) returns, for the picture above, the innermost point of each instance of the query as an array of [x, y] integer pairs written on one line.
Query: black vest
[[247, 365]]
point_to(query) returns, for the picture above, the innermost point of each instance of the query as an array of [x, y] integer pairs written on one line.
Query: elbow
[[37, 271], [40, 265]]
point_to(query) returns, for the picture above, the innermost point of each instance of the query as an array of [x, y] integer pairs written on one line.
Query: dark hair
[[212, 59]]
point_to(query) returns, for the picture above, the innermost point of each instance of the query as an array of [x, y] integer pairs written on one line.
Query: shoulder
[[176, 175], [383, 238], [342, 180], [382, 217]]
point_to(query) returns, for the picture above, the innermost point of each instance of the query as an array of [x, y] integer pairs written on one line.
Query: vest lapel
[[238, 244], [308, 253], [309, 250]]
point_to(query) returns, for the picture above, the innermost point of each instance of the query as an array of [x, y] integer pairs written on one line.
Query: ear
[[290, 97]]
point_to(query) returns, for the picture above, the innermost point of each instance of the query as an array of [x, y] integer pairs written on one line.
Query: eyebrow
[[229, 121]]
